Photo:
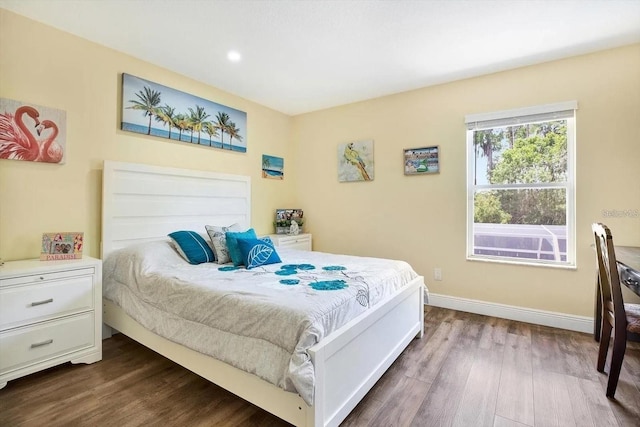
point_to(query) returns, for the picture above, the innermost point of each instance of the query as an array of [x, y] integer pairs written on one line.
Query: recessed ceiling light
[[234, 56]]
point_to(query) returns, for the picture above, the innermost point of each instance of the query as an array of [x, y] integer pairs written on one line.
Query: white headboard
[[144, 203]]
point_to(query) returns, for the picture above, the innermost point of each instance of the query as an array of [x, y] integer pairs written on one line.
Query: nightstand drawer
[[300, 244], [21, 305], [39, 278], [299, 241], [22, 347]]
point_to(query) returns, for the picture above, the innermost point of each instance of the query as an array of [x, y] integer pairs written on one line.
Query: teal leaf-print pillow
[[255, 252]]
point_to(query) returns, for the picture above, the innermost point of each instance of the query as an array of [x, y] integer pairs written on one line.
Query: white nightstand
[[297, 241], [50, 313]]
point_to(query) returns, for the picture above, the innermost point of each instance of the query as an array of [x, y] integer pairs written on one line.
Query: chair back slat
[[609, 277]]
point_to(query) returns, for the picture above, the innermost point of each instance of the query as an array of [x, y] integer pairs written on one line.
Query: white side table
[[50, 313]]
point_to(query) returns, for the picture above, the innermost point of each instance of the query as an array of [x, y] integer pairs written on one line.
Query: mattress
[[262, 320]]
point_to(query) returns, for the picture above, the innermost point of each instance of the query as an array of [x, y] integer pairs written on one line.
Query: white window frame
[[535, 114]]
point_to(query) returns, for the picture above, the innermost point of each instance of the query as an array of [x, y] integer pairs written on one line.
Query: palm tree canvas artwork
[[272, 167], [31, 132], [355, 161], [153, 109]]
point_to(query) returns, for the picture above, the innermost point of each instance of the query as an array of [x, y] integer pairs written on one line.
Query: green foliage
[[222, 124], [182, 123], [148, 101], [488, 142], [166, 115], [534, 159], [197, 118], [211, 130], [537, 153], [233, 132], [488, 209], [534, 206]]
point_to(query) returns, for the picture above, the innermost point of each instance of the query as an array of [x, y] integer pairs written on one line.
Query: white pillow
[[219, 240]]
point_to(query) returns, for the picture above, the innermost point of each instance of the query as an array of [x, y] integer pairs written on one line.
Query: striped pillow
[[191, 246]]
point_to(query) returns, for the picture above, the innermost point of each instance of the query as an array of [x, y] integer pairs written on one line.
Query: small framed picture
[[284, 217], [424, 160], [57, 246], [272, 167]]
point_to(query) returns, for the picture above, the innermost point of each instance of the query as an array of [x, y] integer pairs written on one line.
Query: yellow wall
[[422, 218], [44, 66]]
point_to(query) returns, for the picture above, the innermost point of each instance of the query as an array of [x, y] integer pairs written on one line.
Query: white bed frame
[[145, 203]]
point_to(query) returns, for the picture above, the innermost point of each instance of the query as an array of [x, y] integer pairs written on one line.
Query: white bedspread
[[251, 319]]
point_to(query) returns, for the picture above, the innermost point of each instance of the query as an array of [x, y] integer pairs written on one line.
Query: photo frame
[[284, 217], [58, 246], [422, 161]]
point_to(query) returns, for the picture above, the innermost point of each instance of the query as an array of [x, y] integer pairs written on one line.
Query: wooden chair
[[616, 315]]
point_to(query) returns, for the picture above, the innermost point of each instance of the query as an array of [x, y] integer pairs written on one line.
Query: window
[[521, 186]]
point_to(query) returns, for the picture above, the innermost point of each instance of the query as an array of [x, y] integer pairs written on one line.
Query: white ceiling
[[304, 55]]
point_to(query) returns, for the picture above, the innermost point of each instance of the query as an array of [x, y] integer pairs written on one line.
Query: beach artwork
[[152, 109], [355, 161], [424, 160], [32, 132], [272, 167]]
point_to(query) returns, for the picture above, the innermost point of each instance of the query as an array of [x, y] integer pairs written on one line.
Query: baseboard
[[522, 314]]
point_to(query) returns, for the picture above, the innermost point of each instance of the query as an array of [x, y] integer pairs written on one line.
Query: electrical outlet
[[437, 273]]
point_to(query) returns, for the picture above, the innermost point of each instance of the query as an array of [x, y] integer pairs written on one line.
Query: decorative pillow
[[192, 247], [220, 250], [257, 252], [232, 244], [219, 241]]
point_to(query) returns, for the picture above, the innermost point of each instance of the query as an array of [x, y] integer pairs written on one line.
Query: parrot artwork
[[352, 156]]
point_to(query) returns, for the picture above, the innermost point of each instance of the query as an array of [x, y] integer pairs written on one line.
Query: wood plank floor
[[468, 370]]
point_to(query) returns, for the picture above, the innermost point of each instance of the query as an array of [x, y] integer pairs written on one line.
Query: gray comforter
[[262, 320]]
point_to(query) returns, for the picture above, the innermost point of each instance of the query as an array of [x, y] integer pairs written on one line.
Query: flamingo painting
[[21, 127], [16, 140], [50, 150]]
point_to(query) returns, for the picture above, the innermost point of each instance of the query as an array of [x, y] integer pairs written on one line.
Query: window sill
[[522, 263]]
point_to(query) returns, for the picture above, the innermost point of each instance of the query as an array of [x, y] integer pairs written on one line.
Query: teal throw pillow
[[257, 252], [232, 244], [192, 247]]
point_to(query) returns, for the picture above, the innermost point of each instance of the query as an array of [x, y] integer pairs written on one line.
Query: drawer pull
[[40, 344], [46, 301]]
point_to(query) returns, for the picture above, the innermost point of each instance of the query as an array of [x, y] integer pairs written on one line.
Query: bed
[[143, 203]]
